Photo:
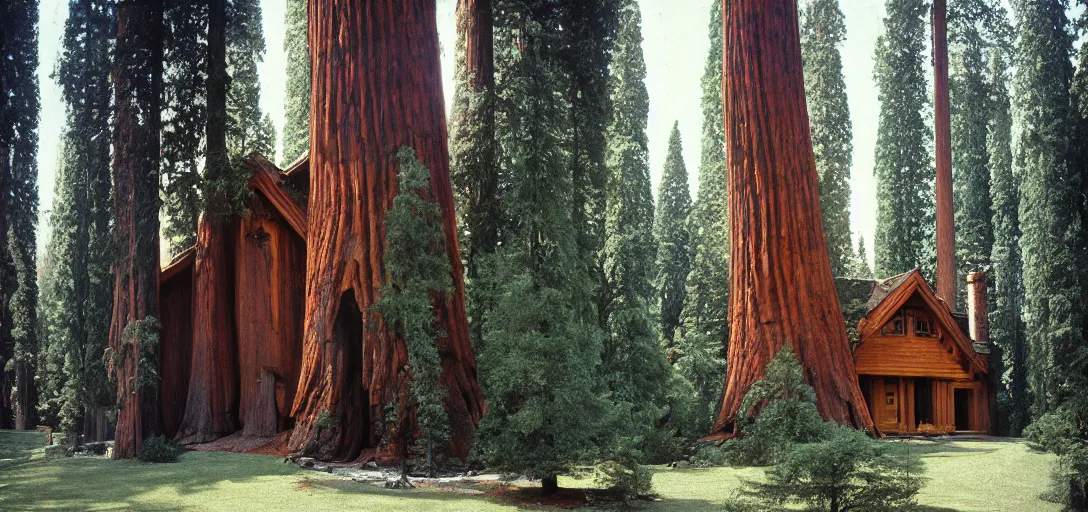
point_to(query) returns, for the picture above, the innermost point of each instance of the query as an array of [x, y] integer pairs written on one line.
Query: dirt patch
[[239, 443]]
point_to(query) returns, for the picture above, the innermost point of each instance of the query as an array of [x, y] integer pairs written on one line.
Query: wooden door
[[889, 404]]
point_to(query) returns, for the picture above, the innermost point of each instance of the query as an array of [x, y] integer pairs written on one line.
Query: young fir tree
[[862, 270], [18, 151], [969, 97], [1050, 217], [673, 240], [81, 221], [904, 172], [417, 268], [185, 50], [539, 368], [704, 327], [823, 29], [296, 111], [1006, 323], [632, 362], [248, 130]]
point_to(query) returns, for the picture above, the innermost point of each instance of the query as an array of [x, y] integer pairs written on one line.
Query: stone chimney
[[977, 310]]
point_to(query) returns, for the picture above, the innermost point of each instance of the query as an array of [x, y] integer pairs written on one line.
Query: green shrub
[[54, 451], [623, 475], [1052, 432], [710, 455], [160, 449], [785, 413], [848, 471], [1069, 479]]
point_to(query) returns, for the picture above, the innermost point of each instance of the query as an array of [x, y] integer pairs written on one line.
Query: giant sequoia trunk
[[137, 76], [376, 87], [781, 285], [946, 230], [212, 405]]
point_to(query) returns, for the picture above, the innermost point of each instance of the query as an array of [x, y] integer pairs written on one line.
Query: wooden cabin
[[269, 263], [918, 366]]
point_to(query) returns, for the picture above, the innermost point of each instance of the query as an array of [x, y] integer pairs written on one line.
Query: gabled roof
[[891, 294], [300, 165], [269, 181]]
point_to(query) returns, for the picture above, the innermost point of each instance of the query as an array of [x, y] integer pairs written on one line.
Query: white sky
[[675, 45]]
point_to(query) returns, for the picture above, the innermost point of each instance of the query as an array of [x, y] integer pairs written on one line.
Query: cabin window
[[922, 327], [894, 326]]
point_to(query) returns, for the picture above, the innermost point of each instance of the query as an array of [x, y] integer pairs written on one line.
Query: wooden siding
[[908, 356]]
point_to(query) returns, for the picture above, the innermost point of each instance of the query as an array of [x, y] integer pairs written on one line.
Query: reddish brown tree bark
[[212, 407], [946, 228], [476, 26], [782, 290], [137, 76], [376, 87]]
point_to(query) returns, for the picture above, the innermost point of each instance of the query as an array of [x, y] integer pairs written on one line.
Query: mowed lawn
[[962, 475]]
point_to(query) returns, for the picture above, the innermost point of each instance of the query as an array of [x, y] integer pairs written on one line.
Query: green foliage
[[417, 275], [848, 471], [823, 29], [623, 475], [673, 240], [296, 115], [699, 362], [185, 73], [904, 171], [159, 449], [144, 335], [1063, 432], [781, 411], [706, 305], [861, 269], [1054, 431], [1051, 202], [326, 419], [248, 130]]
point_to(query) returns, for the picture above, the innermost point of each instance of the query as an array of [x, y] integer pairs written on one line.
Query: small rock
[[473, 473], [371, 465], [306, 462], [322, 468]]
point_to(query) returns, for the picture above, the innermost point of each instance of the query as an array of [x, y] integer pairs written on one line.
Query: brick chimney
[[977, 309]]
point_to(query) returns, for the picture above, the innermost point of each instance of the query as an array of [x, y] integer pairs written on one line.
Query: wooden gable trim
[[268, 180], [302, 164], [894, 301], [180, 262]]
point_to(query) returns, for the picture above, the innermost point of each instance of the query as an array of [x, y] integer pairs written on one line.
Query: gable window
[[894, 326], [922, 327]]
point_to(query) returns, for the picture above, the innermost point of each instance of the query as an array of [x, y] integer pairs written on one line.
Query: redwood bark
[[475, 22], [175, 347], [946, 229], [137, 76], [376, 87], [782, 290], [212, 406]]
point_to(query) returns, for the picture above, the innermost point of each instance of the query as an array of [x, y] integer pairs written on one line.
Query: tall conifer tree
[[904, 172], [673, 240], [248, 129], [1050, 203], [823, 29], [296, 116]]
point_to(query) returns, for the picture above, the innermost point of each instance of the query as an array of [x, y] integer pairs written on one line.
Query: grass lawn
[[964, 475]]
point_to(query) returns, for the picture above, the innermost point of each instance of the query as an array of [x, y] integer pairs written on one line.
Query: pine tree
[[296, 118], [184, 73], [19, 150], [823, 29], [969, 96], [247, 129], [673, 240], [1050, 201], [632, 360], [705, 309], [904, 172], [82, 214], [1006, 323], [861, 262], [539, 368], [704, 328]]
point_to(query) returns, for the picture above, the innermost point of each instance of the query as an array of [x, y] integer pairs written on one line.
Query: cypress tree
[[185, 70], [248, 130], [706, 304], [539, 368], [969, 97], [1006, 323], [823, 29], [704, 327], [673, 241], [296, 118], [1050, 201], [81, 220], [904, 172], [632, 360], [19, 150]]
